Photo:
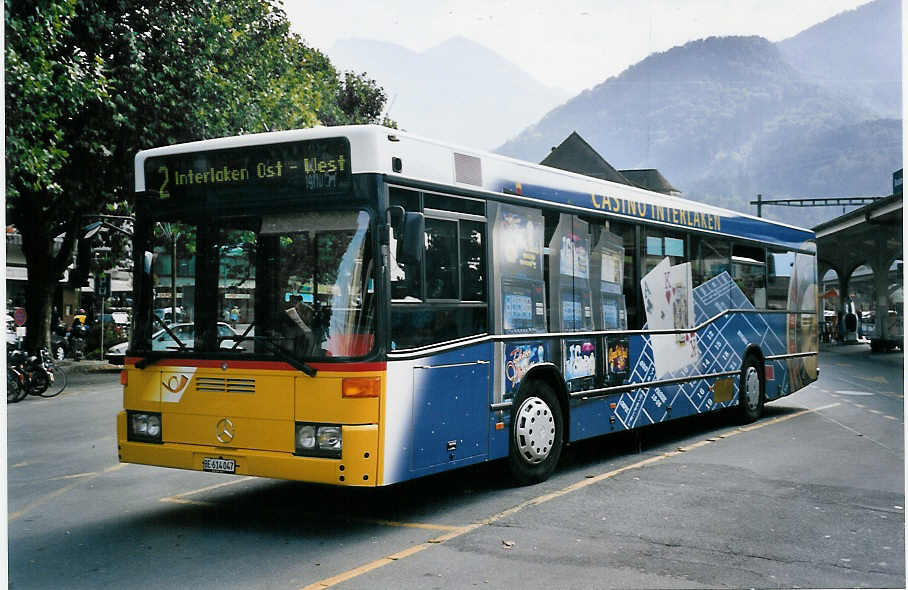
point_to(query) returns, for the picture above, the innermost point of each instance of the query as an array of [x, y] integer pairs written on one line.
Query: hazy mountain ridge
[[727, 117], [429, 91], [692, 107], [857, 51]]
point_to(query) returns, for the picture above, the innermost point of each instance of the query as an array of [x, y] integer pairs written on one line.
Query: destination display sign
[[318, 167]]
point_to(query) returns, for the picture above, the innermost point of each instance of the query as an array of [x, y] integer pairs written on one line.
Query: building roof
[[650, 179], [574, 154]]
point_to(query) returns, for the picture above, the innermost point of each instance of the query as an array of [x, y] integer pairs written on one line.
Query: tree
[[91, 82], [357, 99]]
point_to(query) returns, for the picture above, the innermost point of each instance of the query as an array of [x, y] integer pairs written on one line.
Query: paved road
[[810, 496]]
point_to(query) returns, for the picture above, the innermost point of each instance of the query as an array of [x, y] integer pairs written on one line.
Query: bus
[[361, 306]]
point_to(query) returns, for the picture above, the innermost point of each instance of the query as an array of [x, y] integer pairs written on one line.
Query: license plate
[[218, 465]]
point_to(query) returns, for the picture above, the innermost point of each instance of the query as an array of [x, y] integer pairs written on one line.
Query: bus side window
[[442, 275], [659, 244], [472, 260], [748, 266], [711, 258], [631, 286], [451, 303], [406, 280], [778, 273]]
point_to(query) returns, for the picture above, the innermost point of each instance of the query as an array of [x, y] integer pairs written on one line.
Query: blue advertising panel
[[681, 216], [519, 358]]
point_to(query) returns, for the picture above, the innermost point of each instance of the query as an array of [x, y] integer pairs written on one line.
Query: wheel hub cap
[[752, 388], [534, 431]]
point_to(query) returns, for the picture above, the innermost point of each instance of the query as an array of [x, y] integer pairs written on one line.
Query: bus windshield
[[290, 284]]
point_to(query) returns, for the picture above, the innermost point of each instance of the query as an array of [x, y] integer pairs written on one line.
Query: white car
[[161, 340]]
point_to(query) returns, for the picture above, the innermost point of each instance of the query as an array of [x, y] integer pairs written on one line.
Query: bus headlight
[[143, 426], [329, 438], [319, 440], [305, 437]]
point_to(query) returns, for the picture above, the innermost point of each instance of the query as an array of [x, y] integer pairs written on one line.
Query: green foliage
[[357, 99], [112, 335], [91, 82]]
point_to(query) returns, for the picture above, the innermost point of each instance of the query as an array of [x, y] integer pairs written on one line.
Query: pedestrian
[[234, 315]]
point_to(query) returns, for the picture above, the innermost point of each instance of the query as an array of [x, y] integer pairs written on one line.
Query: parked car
[[166, 314], [118, 321], [120, 318], [162, 340]]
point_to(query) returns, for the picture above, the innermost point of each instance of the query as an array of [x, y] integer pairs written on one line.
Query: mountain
[[857, 52], [458, 91], [692, 109], [725, 118]]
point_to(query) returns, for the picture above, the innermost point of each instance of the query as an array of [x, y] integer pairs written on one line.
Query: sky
[[570, 44]]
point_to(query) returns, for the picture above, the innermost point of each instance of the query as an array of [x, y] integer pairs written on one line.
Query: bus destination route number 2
[[313, 167]]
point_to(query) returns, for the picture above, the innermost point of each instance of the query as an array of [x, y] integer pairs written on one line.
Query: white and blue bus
[[362, 306]]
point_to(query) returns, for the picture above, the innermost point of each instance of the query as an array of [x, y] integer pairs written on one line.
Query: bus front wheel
[[537, 433], [751, 390]]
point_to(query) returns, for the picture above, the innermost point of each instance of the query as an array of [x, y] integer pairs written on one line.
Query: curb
[[74, 367]]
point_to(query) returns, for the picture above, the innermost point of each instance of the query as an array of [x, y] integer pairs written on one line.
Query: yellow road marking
[[43, 500], [414, 525], [409, 551], [74, 476], [181, 498], [890, 417], [175, 500], [79, 477], [877, 379], [22, 464], [587, 481]]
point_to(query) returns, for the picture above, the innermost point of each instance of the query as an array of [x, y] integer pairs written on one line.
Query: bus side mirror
[[409, 230]]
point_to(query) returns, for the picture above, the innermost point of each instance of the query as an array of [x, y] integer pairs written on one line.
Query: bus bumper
[[358, 465]]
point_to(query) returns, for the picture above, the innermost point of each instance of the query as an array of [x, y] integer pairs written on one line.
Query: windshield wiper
[[279, 352], [243, 337], [145, 361]]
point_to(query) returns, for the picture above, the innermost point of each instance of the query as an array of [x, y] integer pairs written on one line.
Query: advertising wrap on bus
[[319, 167], [680, 216], [531, 308]]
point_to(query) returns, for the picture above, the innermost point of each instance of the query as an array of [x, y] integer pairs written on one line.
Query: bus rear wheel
[[537, 434], [751, 390]]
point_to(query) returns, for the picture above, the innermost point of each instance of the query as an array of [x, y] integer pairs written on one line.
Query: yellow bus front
[[255, 418]]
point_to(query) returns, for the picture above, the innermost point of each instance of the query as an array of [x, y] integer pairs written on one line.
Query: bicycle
[[33, 375], [48, 379]]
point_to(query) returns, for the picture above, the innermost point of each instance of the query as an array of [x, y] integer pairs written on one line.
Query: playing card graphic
[[672, 309]]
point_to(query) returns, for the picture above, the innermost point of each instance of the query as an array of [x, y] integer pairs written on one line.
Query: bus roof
[[427, 161]]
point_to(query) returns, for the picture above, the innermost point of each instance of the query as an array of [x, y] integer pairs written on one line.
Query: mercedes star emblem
[[225, 430]]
